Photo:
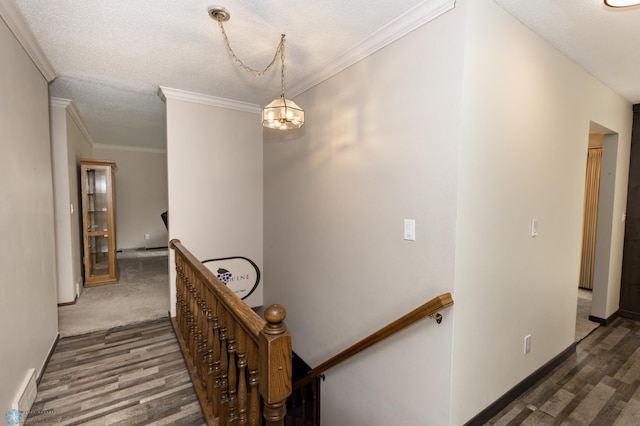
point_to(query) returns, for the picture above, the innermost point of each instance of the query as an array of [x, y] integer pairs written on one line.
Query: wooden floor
[[130, 375], [598, 385], [135, 375]]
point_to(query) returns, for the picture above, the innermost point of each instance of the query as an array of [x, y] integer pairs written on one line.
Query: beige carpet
[[141, 295]]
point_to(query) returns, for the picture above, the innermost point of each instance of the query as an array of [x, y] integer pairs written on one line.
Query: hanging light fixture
[[281, 113], [621, 3]]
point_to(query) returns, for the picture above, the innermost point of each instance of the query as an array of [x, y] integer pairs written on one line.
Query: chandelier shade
[[621, 3], [282, 114]]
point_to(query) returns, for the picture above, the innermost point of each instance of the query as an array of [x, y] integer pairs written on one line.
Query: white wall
[[608, 268], [69, 143], [214, 163], [141, 195], [380, 145], [527, 112], [28, 316]]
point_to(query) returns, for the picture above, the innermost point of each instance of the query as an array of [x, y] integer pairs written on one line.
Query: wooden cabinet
[[98, 222]]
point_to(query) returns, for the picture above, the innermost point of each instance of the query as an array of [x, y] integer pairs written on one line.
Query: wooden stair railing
[[306, 391], [240, 364]]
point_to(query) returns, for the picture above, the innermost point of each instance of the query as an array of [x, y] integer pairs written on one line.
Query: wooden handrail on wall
[[304, 403], [236, 359], [430, 308]]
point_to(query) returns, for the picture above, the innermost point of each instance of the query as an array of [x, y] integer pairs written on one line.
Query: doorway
[[584, 326], [598, 222], [590, 215]]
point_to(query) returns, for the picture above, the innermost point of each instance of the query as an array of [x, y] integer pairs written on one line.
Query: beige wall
[[79, 147], [380, 145], [214, 158], [477, 128], [68, 144], [28, 316], [526, 116], [141, 195]]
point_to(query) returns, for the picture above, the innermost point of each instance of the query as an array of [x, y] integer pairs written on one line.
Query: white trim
[[198, 98], [130, 148], [14, 19], [59, 102], [419, 15], [71, 108]]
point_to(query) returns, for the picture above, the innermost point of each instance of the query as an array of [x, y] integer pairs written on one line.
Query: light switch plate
[[410, 229]]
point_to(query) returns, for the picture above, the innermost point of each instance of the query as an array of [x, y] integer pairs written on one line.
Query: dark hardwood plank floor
[[135, 375], [598, 385], [131, 375]]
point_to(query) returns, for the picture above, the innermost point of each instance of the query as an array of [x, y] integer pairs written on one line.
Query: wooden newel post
[[275, 365]]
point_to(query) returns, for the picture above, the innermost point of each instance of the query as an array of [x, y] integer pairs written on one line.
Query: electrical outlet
[[527, 344], [146, 236]]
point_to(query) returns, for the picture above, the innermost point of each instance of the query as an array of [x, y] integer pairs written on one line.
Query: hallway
[[129, 375], [599, 384], [136, 375], [584, 326], [142, 294]]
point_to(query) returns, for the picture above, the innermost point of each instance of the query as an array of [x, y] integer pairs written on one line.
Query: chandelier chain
[[280, 114], [281, 47], [257, 72]]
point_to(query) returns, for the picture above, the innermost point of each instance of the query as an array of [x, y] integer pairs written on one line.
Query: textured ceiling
[[111, 56], [602, 40]]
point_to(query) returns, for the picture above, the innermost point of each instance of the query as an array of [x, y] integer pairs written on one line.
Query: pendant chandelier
[[281, 113]]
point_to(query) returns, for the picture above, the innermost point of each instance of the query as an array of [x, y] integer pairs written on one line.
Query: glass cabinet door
[[98, 255]]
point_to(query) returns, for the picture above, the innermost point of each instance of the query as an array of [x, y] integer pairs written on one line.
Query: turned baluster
[[275, 365], [293, 405], [202, 335], [217, 394], [254, 397], [181, 301], [303, 404], [197, 332], [210, 341], [184, 307], [241, 338], [178, 290], [316, 400], [193, 336], [203, 349], [224, 368], [193, 307], [190, 314], [232, 376], [179, 287]]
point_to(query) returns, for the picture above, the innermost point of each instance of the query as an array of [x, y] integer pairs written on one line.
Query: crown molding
[[60, 102], [14, 19], [71, 108], [414, 18], [182, 95], [131, 148]]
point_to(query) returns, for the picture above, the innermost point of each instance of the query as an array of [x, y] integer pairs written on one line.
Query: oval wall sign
[[238, 273]]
